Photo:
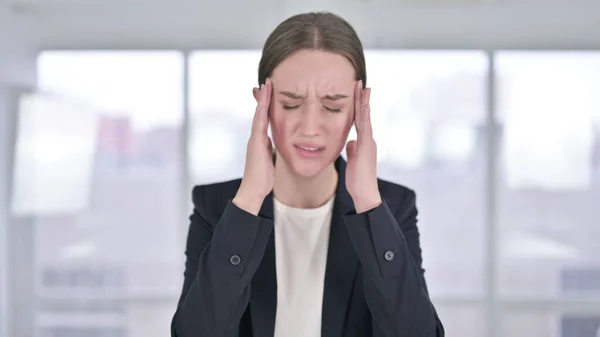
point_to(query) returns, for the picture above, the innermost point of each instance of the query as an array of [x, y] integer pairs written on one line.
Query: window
[[96, 261], [549, 184], [550, 323], [463, 320], [106, 244], [221, 108], [429, 113]]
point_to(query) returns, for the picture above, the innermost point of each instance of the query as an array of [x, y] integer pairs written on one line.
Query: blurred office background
[[110, 111]]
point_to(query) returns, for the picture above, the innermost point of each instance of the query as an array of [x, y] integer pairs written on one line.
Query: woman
[[306, 245]]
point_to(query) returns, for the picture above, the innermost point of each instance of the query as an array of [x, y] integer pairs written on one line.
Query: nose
[[310, 121]]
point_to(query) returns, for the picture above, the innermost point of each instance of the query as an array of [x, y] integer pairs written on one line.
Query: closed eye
[[293, 107]]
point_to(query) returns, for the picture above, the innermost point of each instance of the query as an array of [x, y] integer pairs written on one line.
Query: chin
[[305, 167]]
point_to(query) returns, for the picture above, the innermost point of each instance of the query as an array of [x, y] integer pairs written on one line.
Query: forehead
[[310, 68]]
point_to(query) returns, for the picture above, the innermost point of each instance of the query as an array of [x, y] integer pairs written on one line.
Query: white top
[[301, 242]]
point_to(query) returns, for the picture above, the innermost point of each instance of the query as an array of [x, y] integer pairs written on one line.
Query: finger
[[255, 120], [264, 113], [366, 115], [351, 149], [261, 117], [357, 105]]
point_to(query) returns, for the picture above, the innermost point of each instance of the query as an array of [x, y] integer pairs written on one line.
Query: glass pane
[[110, 264], [549, 190], [221, 109], [462, 320], [52, 155], [429, 123], [550, 324]]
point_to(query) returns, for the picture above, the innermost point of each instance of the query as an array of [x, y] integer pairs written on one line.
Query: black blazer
[[374, 283]]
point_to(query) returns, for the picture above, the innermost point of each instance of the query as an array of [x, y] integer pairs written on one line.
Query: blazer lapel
[[342, 262], [263, 296], [340, 272]]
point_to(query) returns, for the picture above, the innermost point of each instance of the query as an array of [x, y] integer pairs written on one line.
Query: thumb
[[351, 149]]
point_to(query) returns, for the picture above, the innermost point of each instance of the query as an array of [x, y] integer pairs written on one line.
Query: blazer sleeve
[[387, 245], [221, 260]]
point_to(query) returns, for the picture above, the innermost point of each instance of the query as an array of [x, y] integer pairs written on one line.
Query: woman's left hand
[[361, 169]]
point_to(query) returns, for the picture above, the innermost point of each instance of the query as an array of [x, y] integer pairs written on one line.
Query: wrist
[[364, 204], [248, 203]]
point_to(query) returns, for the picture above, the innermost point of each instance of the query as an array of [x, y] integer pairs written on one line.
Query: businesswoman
[[307, 244]]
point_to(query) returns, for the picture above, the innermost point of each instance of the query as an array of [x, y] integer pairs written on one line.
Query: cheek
[[347, 125], [279, 125], [340, 129], [349, 122]]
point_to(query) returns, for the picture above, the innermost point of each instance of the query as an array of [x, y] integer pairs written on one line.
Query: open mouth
[[308, 150]]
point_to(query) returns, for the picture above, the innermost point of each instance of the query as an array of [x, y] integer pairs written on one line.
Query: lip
[[308, 153], [309, 145]]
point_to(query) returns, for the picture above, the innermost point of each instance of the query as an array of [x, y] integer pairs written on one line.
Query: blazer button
[[389, 255], [235, 260]]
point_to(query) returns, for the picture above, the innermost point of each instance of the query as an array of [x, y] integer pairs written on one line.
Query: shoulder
[[218, 190], [211, 199], [394, 191], [399, 198]]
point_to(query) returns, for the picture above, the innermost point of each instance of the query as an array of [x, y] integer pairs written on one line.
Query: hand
[[361, 169], [259, 172]]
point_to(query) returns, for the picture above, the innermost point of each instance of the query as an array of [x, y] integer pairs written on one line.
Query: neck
[[303, 192]]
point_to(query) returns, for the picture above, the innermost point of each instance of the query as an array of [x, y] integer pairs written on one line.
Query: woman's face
[[312, 109]]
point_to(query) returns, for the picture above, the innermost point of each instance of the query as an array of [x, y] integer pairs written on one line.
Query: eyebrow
[[334, 97], [290, 95]]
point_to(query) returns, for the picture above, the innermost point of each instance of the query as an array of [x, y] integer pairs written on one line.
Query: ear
[[256, 93]]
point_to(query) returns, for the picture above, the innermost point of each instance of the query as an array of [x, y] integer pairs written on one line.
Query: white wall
[[17, 67], [33, 25], [234, 24], [3, 213], [17, 49], [3, 187]]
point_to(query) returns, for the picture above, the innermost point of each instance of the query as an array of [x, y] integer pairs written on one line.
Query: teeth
[[308, 148]]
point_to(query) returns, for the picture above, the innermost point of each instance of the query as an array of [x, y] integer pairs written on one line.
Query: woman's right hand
[[259, 172]]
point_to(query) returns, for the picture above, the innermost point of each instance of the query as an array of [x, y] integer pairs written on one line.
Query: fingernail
[[360, 84]]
